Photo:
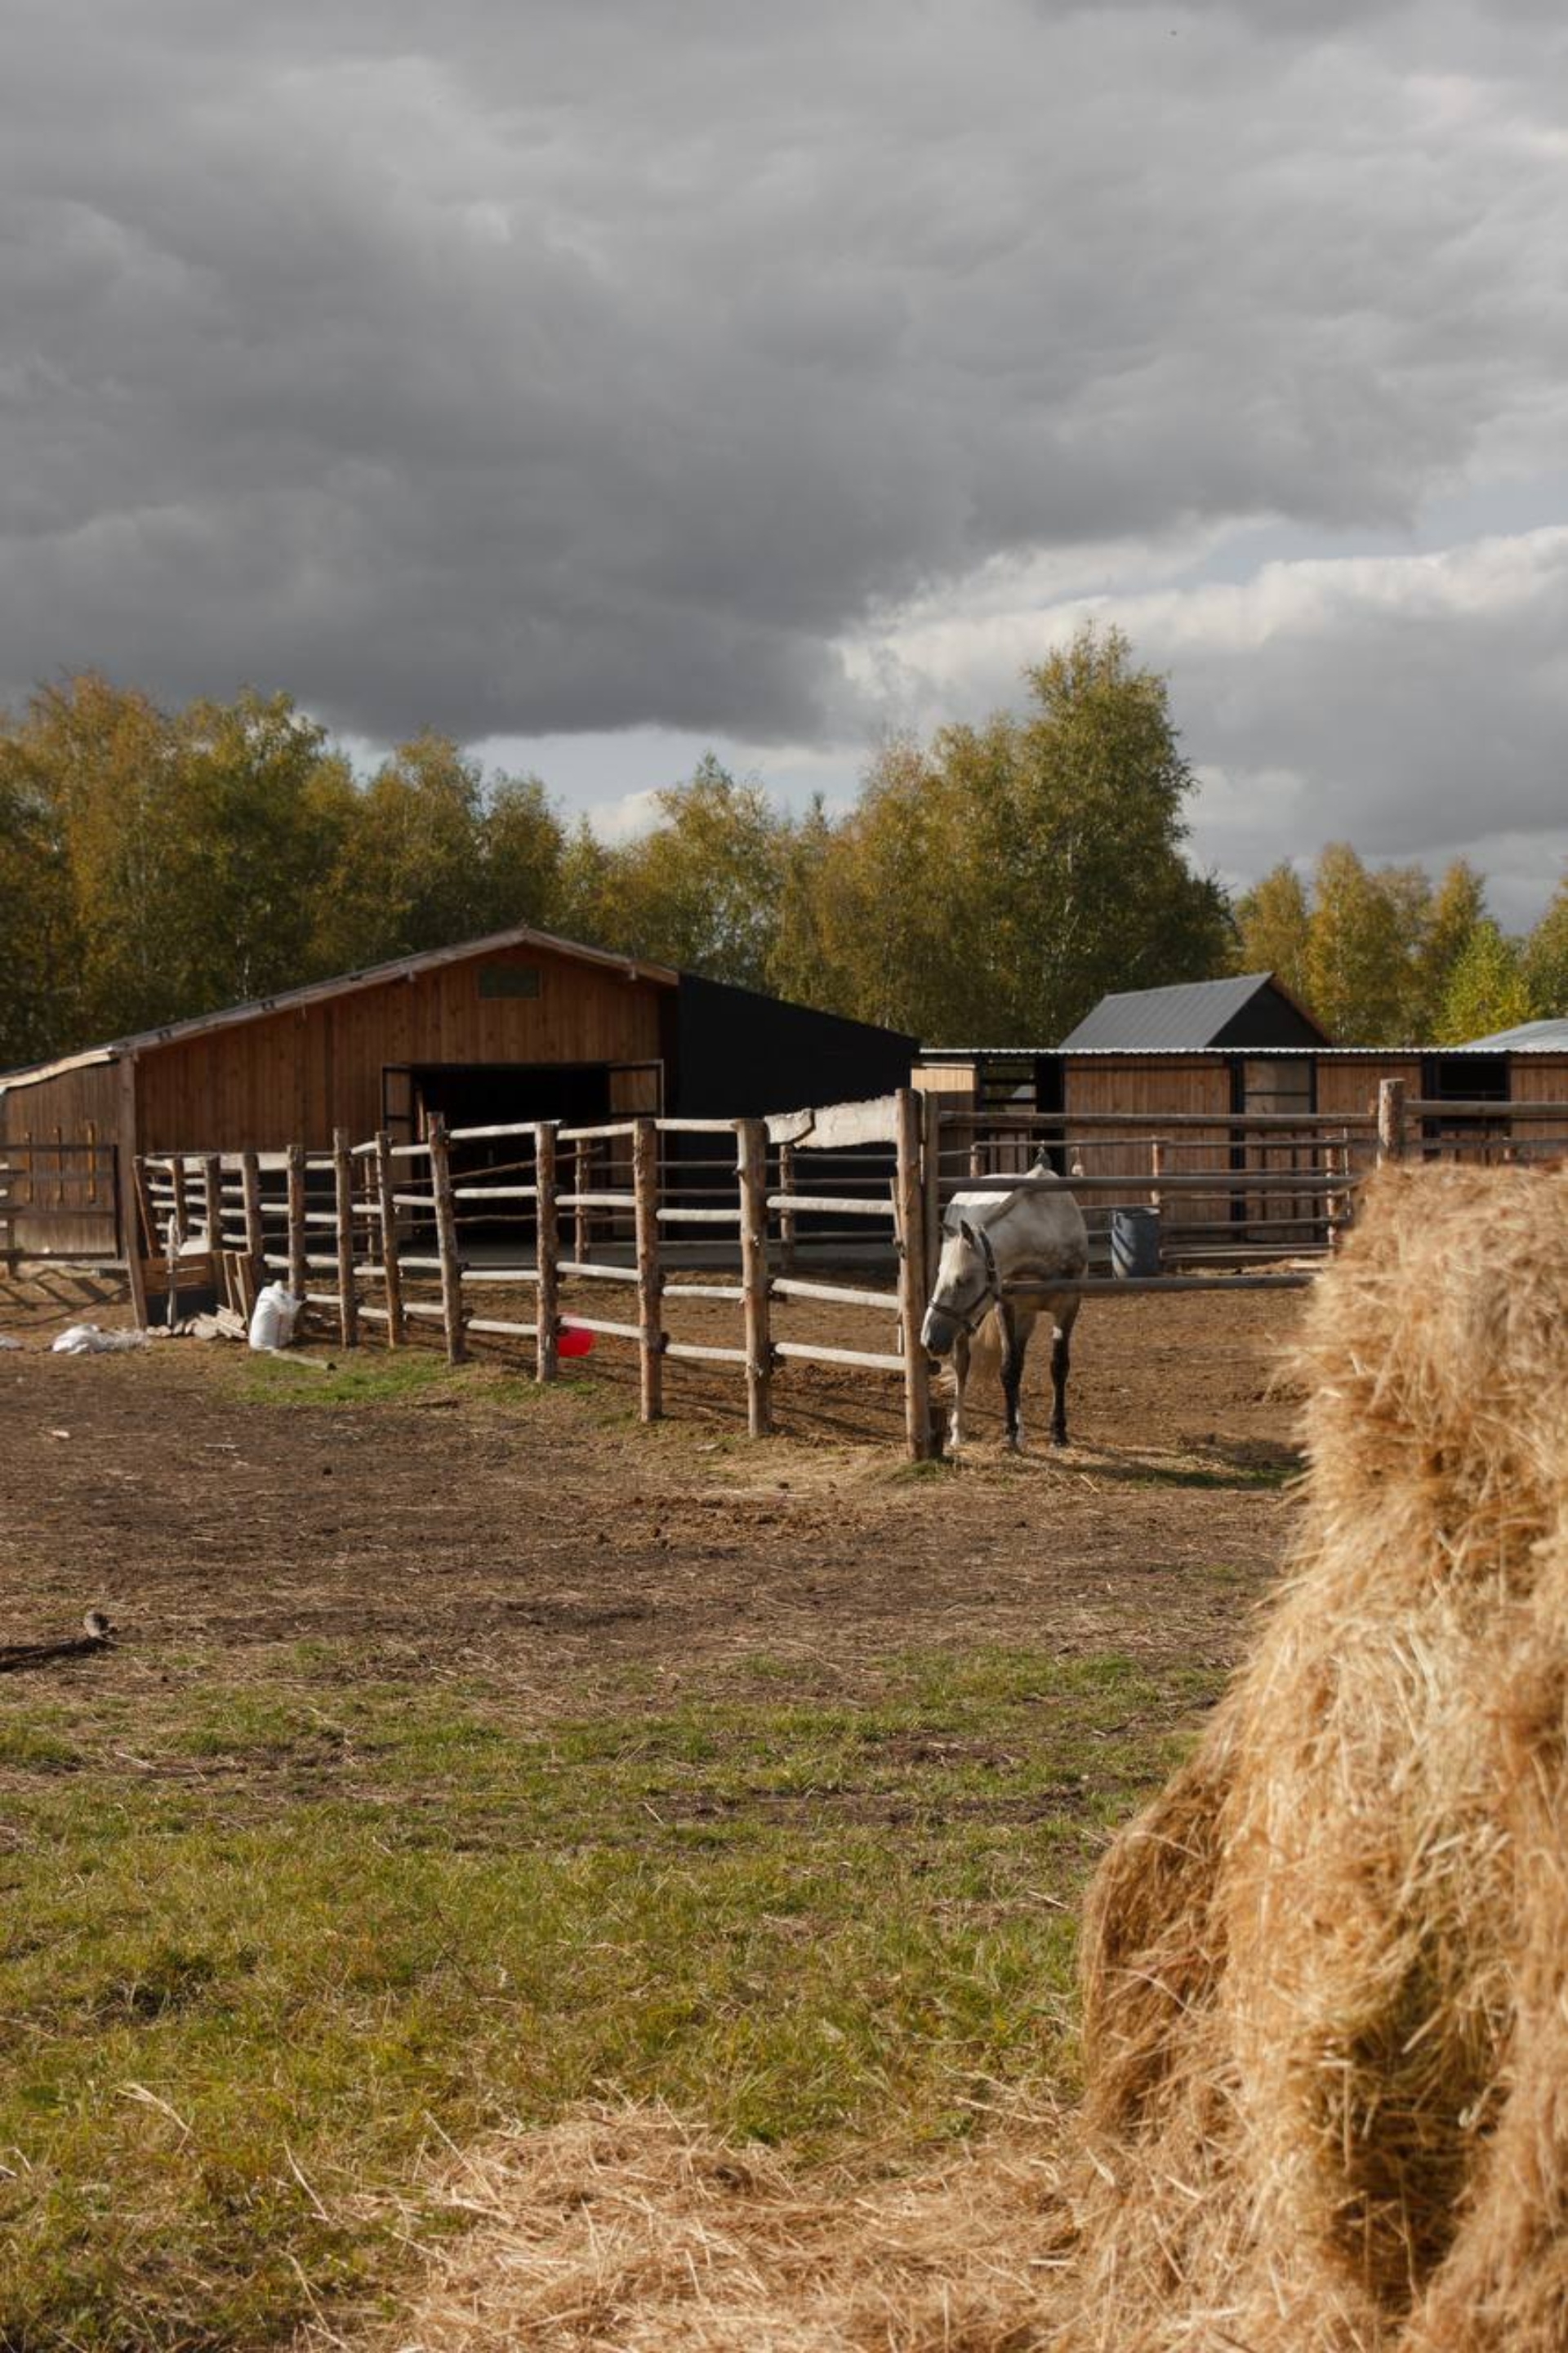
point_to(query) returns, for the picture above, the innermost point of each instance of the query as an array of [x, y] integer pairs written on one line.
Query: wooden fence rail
[[367, 1232]]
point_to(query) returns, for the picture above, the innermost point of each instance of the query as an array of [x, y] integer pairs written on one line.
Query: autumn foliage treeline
[[986, 887]]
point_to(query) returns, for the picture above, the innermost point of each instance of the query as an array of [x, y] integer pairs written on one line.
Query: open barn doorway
[[504, 1094]]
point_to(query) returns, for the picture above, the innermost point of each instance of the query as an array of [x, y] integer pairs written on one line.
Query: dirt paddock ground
[[448, 1520]]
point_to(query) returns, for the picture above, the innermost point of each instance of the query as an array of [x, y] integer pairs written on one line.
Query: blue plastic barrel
[[1134, 1241]]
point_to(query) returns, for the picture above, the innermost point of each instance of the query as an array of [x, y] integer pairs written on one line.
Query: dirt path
[[473, 1524]]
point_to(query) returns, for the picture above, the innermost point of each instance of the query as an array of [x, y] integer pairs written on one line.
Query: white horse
[[991, 1239]]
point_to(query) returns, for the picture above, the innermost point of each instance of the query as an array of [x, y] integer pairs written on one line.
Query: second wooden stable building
[[1231, 1050]]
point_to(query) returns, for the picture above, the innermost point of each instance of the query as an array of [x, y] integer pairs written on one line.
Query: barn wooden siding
[[294, 1075], [77, 1106], [1540, 1078]]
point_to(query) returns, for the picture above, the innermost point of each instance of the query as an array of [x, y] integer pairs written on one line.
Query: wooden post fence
[[212, 1207], [547, 1252], [787, 1217], [299, 1273], [582, 1180], [255, 1231], [181, 1215], [1337, 1207], [343, 1204], [752, 1165], [931, 1169], [909, 1195], [446, 1240], [391, 1267], [1390, 1120], [645, 1194]]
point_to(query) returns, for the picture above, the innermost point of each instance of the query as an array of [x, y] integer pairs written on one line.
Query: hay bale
[[1326, 1975], [628, 2230]]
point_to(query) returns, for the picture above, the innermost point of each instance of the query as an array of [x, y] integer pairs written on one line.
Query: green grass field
[[268, 1945]]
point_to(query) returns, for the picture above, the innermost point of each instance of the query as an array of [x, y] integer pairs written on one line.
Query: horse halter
[[967, 1318]]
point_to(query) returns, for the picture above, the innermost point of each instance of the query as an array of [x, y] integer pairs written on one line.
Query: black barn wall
[[739, 1054]]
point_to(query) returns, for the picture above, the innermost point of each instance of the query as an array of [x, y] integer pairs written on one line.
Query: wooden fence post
[[582, 1178], [1390, 1120], [181, 1211], [299, 1272], [212, 1205], [547, 1252], [128, 1197], [650, 1281], [930, 1174], [1156, 1170], [391, 1267], [909, 1195], [752, 1169], [446, 1240], [254, 1230], [344, 1202], [1337, 1204], [787, 1217]]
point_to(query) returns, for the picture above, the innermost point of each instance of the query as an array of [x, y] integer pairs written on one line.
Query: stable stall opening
[[495, 1094]]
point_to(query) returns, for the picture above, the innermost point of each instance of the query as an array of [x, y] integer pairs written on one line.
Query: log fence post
[[909, 1198], [650, 1280], [547, 1253], [752, 1171], [582, 1175], [787, 1217], [446, 1240], [212, 1205], [1391, 1137], [299, 1272], [391, 1265], [180, 1211], [931, 1178], [343, 1203], [1338, 1203], [1156, 1170], [254, 1230]]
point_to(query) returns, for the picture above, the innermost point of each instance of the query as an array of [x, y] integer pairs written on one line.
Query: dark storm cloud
[[561, 368]]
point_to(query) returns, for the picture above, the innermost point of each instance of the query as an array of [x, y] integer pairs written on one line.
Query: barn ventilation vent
[[509, 980]]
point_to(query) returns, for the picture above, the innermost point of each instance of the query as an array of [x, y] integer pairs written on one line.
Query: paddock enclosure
[[757, 1245]]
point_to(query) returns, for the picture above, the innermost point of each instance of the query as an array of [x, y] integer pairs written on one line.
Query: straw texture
[[1326, 1975]]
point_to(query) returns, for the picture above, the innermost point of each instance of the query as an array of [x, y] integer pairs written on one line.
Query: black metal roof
[[1250, 1008]]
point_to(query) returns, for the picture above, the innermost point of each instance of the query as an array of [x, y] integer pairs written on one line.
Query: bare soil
[[547, 1540]]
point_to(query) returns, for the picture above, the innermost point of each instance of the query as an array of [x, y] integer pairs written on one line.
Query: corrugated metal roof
[[1525, 1038], [1191, 1014], [933, 1057], [343, 985]]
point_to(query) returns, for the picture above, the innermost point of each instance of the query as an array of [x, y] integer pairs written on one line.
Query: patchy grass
[[262, 1946]]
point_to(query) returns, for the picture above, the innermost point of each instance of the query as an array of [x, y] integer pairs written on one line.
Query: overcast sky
[[598, 380]]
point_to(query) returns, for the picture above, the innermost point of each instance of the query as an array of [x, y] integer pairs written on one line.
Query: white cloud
[[690, 373]]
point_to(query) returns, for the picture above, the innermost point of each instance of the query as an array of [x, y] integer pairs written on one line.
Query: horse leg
[[1061, 1365], [1015, 1333], [960, 1383]]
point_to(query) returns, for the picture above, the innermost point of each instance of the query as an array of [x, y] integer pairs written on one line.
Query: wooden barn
[[1238, 1050], [518, 1026], [1234, 1046]]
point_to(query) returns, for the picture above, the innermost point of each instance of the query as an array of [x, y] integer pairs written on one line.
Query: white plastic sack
[[86, 1340], [273, 1317]]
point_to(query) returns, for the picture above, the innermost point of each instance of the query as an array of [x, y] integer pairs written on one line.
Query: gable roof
[[343, 985], [1196, 1013], [1549, 1036]]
